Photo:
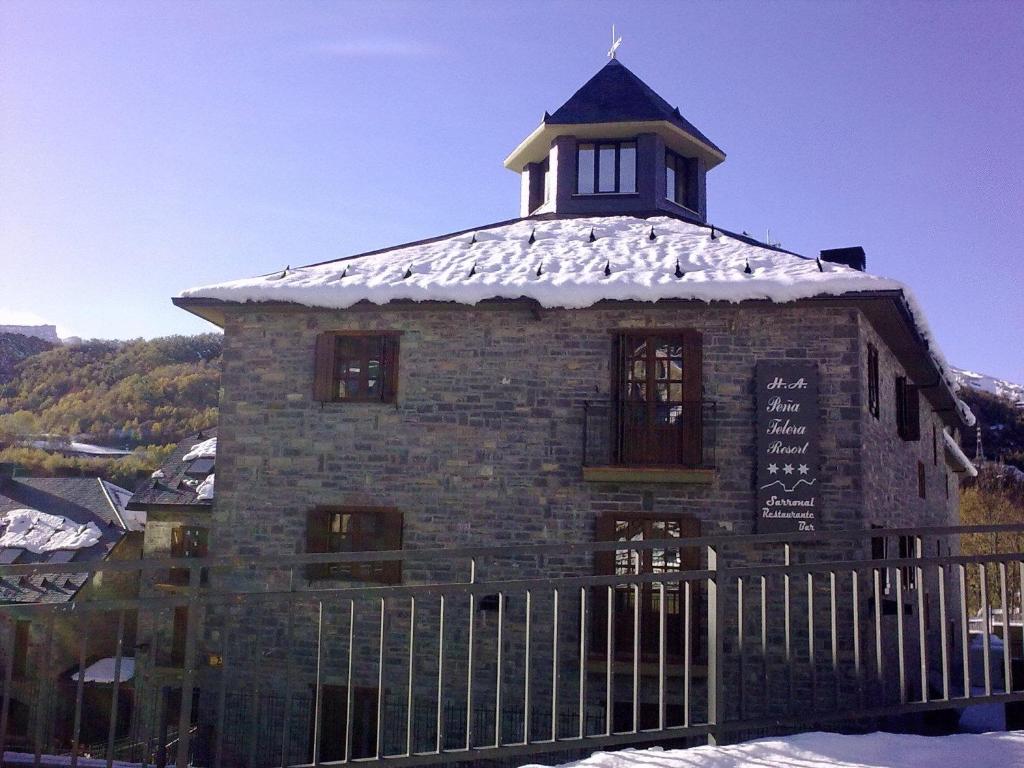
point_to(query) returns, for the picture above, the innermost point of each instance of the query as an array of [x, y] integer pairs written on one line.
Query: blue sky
[[148, 147]]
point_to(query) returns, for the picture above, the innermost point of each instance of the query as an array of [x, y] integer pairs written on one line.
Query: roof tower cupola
[[615, 147]]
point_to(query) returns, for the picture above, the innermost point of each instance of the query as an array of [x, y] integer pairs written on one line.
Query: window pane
[[681, 191], [585, 169], [606, 168], [670, 180], [627, 168]]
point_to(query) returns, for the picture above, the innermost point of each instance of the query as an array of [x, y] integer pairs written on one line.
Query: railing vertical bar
[[412, 668], [118, 652], [43, 698], [833, 617], [289, 644], [554, 665], [189, 671], [79, 695], [380, 679], [498, 670], [439, 713], [609, 655], [764, 641], [900, 643], [687, 651], [526, 667], [964, 630], [222, 695], [879, 663], [254, 723], [716, 646], [811, 657], [5, 711], [469, 657], [858, 669], [636, 658], [943, 633], [985, 639], [583, 662], [922, 626], [741, 646], [1007, 671], [349, 681], [661, 655], [787, 626], [318, 687]]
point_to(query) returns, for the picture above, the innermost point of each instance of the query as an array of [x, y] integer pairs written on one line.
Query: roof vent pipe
[[850, 257]]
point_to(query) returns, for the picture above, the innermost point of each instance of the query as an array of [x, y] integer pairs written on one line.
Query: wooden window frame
[[597, 144], [626, 450], [319, 535], [684, 165], [325, 376], [908, 410], [180, 548], [604, 565], [873, 381]]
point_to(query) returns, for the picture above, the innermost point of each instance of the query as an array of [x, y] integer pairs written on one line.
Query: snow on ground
[[39, 532], [204, 450], [102, 671], [563, 268], [830, 750]]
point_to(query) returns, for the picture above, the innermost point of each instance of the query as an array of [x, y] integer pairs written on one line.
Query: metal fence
[[493, 653]]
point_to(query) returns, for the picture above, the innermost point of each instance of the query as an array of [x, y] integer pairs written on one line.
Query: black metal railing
[[500, 652], [637, 433]]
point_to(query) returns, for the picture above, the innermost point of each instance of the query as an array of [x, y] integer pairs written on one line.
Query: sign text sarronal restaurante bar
[[787, 447]]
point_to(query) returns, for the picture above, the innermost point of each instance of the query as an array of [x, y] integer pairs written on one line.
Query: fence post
[[716, 647]]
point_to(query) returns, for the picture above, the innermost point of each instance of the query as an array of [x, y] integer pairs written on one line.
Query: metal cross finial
[[616, 42]]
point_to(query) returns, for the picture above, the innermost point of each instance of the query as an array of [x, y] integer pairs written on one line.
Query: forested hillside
[[1002, 427], [139, 395]]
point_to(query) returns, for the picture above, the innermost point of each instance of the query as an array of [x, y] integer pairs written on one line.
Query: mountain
[[16, 347], [990, 384]]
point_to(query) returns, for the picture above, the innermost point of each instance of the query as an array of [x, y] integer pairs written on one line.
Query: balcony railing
[[621, 433], [488, 652]]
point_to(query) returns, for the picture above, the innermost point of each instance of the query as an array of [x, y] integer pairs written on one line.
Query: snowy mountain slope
[[990, 384]]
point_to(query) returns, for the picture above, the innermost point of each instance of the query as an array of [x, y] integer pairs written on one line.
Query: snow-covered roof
[[958, 455], [204, 450], [572, 263], [39, 532]]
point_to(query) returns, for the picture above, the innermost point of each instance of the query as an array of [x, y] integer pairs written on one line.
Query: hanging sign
[[788, 485]]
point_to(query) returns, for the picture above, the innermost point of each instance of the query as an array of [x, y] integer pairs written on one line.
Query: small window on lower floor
[[355, 529], [335, 742]]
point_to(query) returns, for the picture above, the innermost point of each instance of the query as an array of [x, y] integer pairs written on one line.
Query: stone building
[[599, 368]]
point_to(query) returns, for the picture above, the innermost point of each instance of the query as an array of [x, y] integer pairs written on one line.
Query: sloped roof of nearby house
[[185, 479], [59, 520], [573, 263], [616, 95]]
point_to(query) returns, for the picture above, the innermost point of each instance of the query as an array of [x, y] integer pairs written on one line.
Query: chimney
[[851, 257]]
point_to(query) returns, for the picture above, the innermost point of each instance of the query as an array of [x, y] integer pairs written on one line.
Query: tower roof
[[616, 95], [615, 103]]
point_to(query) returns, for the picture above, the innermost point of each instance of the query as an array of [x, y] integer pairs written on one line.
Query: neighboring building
[[176, 501], [44, 332], [64, 520], [592, 370]]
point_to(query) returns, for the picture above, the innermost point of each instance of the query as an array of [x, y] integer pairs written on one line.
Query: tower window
[[677, 179], [606, 167]]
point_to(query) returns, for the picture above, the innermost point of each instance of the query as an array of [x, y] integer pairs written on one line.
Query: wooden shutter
[[693, 376], [389, 359], [318, 523], [913, 412], [178, 542], [604, 562], [323, 368], [616, 415]]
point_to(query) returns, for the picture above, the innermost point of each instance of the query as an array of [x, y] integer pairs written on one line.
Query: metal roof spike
[[593, 237], [608, 268], [747, 270], [408, 274], [533, 236], [652, 236], [679, 270], [473, 241], [473, 270], [820, 267], [540, 269]]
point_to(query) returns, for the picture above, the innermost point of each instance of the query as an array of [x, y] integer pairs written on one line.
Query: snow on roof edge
[[572, 263], [957, 453]]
